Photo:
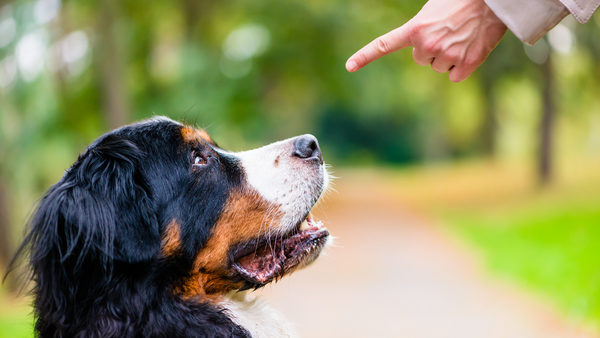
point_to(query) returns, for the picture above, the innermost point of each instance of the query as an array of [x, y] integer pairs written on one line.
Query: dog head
[[160, 203], [263, 229]]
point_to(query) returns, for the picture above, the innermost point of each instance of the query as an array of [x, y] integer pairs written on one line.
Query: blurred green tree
[[257, 71]]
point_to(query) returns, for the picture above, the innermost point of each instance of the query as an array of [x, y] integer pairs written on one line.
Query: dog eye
[[199, 160]]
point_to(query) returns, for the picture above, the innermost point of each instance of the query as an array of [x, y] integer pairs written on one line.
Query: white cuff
[[529, 20], [582, 10]]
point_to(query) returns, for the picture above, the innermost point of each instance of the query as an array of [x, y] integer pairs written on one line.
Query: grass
[[15, 316], [547, 240], [553, 250]]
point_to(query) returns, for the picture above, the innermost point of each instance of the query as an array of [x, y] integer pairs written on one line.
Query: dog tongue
[[270, 261], [263, 264]]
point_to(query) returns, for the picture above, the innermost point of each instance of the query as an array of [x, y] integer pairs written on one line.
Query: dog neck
[[256, 316]]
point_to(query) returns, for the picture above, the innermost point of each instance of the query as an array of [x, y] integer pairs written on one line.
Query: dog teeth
[[310, 222], [304, 225]]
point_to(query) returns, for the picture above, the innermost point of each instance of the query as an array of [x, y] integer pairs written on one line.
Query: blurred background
[[460, 208]]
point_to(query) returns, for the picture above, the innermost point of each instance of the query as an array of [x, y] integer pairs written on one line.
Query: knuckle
[[361, 59], [470, 62], [458, 75], [416, 59], [415, 29], [420, 60], [431, 47], [382, 45], [438, 69], [451, 56], [456, 79]]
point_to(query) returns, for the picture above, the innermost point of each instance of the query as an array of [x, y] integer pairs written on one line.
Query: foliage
[[15, 316], [550, 250], [545, 240], [253, 72]]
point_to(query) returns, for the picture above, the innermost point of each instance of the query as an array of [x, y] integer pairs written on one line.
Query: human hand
[[453, 36]]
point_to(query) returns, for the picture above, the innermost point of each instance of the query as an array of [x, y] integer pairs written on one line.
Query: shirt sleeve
[[582, 10], [529, 20]]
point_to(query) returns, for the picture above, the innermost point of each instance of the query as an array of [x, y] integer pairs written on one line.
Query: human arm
[[458, 35], [451, 35]]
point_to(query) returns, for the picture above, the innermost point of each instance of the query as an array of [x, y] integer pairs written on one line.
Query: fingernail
[[351, 66]]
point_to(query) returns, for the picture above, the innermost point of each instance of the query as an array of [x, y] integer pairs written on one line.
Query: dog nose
[[307, 147]]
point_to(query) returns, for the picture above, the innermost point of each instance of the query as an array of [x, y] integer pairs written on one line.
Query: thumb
[[393, 41]]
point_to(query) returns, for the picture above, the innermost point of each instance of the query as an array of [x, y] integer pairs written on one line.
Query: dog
[[155, 231]]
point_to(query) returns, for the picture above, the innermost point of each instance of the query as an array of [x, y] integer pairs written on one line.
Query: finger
[[469, 64], [461, 73], [440, 65], [383, 45], [422, 58]]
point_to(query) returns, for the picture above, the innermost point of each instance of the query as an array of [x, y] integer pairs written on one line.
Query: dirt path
[[394, 275]]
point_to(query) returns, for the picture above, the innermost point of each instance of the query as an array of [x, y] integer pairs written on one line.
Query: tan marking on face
[[246, 216], [193, 135], [171, 239]]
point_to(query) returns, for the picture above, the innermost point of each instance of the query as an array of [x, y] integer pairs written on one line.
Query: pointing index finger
[[383, 45]]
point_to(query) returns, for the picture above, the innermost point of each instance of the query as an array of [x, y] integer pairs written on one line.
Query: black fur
[[94, 241]]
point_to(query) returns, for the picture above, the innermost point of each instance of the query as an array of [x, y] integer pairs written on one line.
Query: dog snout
[[307, 147]]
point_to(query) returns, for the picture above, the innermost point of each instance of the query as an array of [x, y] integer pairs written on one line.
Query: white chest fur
[[257, 316]]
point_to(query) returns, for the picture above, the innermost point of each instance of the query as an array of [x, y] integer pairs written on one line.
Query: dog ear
[[101, 209], [116, 172], [113, 175]]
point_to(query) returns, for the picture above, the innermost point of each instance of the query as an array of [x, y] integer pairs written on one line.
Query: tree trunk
[[545, 167], [112, 67], [191, 12], [5, 243], [489, 124], [195, 13]]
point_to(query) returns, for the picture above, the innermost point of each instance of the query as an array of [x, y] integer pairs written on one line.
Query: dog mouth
[[260, 262]]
